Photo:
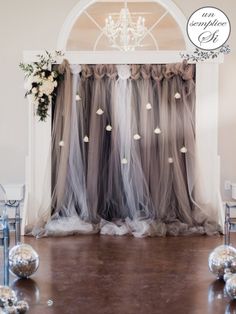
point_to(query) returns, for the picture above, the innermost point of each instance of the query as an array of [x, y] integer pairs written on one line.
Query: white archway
[[82, 5]]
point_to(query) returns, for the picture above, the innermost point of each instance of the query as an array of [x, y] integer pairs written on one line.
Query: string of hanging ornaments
[[125, 33]]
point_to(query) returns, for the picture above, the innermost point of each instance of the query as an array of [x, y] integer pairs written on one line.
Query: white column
[[207, 94], [38, 167]]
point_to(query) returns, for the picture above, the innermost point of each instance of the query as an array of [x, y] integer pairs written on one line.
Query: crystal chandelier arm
[[97, 41], [98, 26], [148, 31]]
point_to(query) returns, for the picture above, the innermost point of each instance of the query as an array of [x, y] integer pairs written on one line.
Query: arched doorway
[[83, 29]]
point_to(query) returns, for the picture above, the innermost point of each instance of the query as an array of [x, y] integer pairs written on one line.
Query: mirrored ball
[[23, 260], [222, 257]]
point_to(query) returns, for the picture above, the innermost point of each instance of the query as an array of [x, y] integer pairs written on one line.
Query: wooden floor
[[124, 275]]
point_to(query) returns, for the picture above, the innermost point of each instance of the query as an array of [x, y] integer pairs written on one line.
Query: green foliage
[[202, 55], [41, 82]]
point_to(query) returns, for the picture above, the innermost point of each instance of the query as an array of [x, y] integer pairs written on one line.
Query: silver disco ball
[[7, 296], [230, 287], [22, 307], [23, 260], [222, 257], [228, 274], [10, 310]]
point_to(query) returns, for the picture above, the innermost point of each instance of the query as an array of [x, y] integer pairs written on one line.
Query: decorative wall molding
[[119, 57]]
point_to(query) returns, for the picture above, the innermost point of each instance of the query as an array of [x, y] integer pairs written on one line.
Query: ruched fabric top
[[156, 72]]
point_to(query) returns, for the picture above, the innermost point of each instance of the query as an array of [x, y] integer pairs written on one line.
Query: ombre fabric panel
[[126, 163]]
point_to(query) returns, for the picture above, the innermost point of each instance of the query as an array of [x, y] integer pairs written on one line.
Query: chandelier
[[125, 34]]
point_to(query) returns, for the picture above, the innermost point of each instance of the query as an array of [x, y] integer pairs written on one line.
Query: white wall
[[227, 102], [24, 25], [34, 25]]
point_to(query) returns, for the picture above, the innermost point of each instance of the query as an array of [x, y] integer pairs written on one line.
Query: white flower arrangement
[[41, 82]]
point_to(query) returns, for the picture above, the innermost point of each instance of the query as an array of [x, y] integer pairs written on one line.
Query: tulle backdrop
[[123, 153]]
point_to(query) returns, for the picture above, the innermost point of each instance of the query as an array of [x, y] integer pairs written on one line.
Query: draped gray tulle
[[123, 153]]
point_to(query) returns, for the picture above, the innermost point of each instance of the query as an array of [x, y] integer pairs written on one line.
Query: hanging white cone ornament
[[148, 106], [177, 96], [157, 131], [61, 143], [183, 150], [124, 161], [99, 112], [77, 97], [170, 160], [137, 137], [86, 139], [109, 127]]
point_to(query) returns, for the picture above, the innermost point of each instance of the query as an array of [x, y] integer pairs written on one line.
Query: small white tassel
[[137, 137], [109, 127], [124, 161], [86, 139], [177, 96], [170, 160], [99, 112], [157, 131], [183, 150], [77, 97], [148, 106], [61, 143]]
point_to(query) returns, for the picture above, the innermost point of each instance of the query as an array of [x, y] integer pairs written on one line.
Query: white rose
[[34, 90], [50, 78], [55, 83], [47, 87]]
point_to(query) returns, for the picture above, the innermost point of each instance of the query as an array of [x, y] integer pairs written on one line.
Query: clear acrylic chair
[[4, 234]]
